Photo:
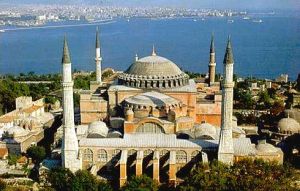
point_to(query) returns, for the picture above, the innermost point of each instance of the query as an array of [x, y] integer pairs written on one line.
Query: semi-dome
[[264, 147], [288, 125], [97, 129], [153, 72], [17, 131], [153, 99], [205, 131]]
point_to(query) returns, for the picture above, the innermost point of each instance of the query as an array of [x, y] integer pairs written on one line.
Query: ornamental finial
[[153, 51]]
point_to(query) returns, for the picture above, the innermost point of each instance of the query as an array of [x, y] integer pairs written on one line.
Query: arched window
[[181, 157], [163, 153], [88, 155], [102, 155], [150, 128]]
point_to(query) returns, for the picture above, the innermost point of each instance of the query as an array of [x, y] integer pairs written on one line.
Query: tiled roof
[[32, 109], [7, 119]]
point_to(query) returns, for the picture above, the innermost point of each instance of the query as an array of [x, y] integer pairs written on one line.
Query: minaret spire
[[153, 50], [98, 59], [212, 61], [225, 150], [228, 54], [66, 54], [70, 155]]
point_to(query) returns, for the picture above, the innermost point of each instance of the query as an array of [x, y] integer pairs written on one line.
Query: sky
[[218, 4]]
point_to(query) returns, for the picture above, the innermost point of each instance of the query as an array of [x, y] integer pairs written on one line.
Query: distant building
[[283, 78], [24, 126]]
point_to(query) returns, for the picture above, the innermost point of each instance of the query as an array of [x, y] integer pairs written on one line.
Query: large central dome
[[153, 72], [154, 66]]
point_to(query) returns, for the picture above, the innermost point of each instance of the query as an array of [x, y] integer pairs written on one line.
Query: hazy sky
[[218, 4]]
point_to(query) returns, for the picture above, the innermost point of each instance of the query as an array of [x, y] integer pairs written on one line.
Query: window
[[150, 128], [102, 155], [88, 155], [181, 157], [163, 153]]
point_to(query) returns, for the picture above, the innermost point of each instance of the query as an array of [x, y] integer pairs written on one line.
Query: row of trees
[[243, 175]]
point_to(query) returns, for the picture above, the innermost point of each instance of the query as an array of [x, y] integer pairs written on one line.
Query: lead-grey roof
[[140, 141], [241, 146], [152, 98], [154, 66]]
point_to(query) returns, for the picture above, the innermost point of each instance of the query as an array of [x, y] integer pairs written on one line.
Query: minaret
[[69, 143], [212, 62], [225, 151], [98, 59]]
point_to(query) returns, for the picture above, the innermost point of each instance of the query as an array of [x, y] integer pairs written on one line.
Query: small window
[[181, 157], [102, 155]]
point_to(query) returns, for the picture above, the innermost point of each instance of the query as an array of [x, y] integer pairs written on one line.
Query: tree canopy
[[37, 153], [246, 175]]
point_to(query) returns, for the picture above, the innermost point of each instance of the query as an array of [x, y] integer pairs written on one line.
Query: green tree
[[60, 178], [12, 159], [246, 175], [84, 180], [37, 153], [246, 100], [140, 183]]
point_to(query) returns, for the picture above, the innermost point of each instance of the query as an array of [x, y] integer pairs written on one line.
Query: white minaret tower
[[212, 62], [225, 151], [70, 156], [98, 59]]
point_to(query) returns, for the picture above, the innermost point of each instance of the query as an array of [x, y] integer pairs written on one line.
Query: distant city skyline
[[218, 4]]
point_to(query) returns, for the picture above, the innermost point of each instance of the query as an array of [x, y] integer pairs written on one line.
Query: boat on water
[[203, 19], [2, 30], [230, 21], [257, 21], [195, 20], [246, 18]]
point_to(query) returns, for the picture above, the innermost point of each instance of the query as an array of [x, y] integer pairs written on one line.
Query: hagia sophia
[[153, 119]]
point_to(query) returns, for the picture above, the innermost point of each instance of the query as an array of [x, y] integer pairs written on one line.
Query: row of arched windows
[[181, 156]]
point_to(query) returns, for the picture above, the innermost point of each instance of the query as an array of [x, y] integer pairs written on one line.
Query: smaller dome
[[288, 125], [205, 131], [17, 131], [97, 129], [264, 147]]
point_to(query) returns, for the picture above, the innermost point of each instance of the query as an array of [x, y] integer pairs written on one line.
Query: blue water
[[260, 49]]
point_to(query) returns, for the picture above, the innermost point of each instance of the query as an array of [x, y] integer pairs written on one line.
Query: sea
[[263, 49]]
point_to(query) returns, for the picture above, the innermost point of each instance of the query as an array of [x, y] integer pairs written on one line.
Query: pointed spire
[[97, 38], [212, 44], [228, 58], [66, 55], [153, 51]]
